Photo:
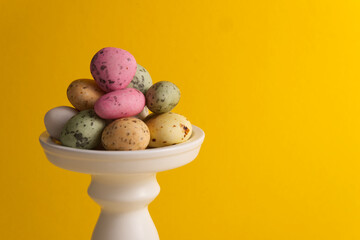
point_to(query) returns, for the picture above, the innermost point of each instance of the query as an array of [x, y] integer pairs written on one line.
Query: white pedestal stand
[[123, 183]]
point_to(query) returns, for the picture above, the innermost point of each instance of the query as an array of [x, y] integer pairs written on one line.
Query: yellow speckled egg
[[83, 93], [126, 134], [168, 129]]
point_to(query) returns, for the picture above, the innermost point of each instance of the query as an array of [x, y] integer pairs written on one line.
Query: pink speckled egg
[[113, 68], [120, 103]]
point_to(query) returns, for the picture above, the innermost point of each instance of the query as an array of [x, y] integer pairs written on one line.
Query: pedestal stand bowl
[[123, 183]]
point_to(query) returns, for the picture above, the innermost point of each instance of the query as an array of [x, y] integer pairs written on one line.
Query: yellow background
[[274, 84]]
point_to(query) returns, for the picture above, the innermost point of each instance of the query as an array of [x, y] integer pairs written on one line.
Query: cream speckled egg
[[168, 129], [126, 134], [83, 93], [56, 118]]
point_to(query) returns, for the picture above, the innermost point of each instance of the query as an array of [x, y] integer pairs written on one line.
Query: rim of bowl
[[194, 141]]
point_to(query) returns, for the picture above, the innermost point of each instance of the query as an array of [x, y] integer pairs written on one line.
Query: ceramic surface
[[123, 183]]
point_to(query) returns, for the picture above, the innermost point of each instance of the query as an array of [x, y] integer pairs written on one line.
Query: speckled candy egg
[[142, 80], [83, 130], [120, 103], [56, 118], [113, 68], [168, 129], [83, 93], [162, 97], [126, 134]]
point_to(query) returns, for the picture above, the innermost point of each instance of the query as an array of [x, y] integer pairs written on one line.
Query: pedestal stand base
[[123, 183], [135, 225]]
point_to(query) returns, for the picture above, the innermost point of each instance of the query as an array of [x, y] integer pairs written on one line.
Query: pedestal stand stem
[[124, 200]]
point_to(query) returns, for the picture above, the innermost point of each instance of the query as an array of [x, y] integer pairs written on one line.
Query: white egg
[[143, 114], [56, 118]]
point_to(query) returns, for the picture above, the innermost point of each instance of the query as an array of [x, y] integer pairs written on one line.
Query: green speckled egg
[[168, 129], [83, 130], [162, 97], [142, 80]]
